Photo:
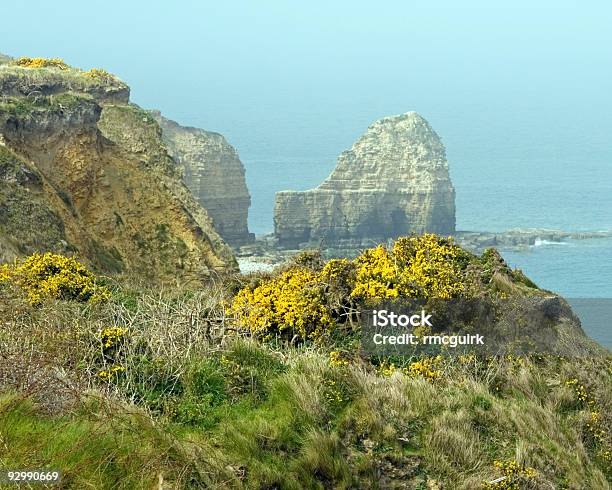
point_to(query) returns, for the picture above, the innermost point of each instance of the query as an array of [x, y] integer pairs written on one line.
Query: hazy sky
[[239, 66]]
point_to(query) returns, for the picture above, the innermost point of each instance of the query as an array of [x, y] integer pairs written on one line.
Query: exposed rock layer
[[214, 173], [99, 178], [393, 181]]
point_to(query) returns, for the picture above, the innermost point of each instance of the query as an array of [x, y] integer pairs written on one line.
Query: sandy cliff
[[86, 172]]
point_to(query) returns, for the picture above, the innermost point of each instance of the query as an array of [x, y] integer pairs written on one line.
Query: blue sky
[[236, 54]]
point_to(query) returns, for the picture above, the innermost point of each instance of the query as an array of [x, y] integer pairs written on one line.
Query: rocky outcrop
[[85, 172], [393, 181], [214, 174]]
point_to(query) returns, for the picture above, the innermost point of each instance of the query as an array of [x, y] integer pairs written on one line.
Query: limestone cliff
[[83, 171], [393, 181], [214, 174]]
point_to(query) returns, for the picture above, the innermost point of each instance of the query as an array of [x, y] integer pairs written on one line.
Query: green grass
[[93, 448], [205, 408]]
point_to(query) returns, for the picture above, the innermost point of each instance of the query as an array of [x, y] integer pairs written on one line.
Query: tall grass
[[199, 406]]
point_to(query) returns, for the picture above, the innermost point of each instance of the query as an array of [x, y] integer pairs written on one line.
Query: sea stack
[[214, 174], [393, 181]]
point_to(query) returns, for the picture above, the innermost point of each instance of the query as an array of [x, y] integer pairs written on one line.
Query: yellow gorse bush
[[5, 273], [416, 267], [377, 275], [51, 276], [100, 74], [111, 373], [41, 63], [300, 301], [112, 336], [514, 476], [387, 369], [595, 426], [337, 359], [290, 304], [428, 368]]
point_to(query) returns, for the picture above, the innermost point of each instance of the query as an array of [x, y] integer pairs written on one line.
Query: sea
[[511, 169]]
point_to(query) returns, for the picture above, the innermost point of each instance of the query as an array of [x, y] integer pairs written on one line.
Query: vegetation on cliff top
[[51, 276], [157, 387], [36, 77], [27, 62], [37, 63]]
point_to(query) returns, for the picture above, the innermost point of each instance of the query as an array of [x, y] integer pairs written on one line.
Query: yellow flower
[[51, 276], [514, 476], [427, 368], [99, 74], [416, 267], [304, 302], [336, 359], [41, 63], [290, 304], [111, 374], [110, 337]]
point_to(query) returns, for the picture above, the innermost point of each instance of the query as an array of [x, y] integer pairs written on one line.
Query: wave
[[539, 243]]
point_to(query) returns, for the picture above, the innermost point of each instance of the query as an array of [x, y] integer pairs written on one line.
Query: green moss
[[27, 106]]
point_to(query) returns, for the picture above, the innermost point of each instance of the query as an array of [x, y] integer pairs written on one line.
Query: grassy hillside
[[135, 386]]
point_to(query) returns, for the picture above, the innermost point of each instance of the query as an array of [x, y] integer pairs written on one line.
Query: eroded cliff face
[[393, 181], [214, 173], [27, 221], [86, 172]]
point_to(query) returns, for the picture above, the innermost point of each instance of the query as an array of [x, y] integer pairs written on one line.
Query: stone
[[393, 181], [215, 175]]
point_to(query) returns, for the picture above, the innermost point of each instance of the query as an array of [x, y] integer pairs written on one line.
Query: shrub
[[51, 276], [290, 304], [417, 267], [427, 368], [41, 63], [111, 337], [308, 299], [99, 74], [514, 476]]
